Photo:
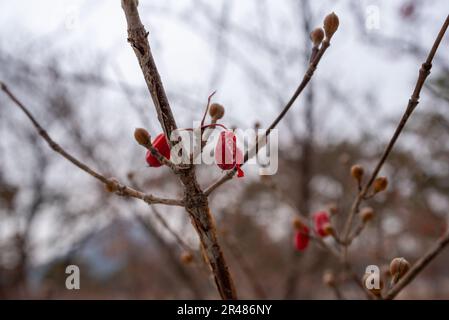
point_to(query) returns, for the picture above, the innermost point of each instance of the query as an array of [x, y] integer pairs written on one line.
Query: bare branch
[[111, 183], [138, 38], [424, 71]]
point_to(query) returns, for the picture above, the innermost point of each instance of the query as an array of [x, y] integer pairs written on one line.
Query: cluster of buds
[[379, 184], [330, 25], [227, 155]]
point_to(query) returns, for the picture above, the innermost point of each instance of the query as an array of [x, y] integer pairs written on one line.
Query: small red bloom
[[302, 238], [160, 143], [227, 155], [320, 219]]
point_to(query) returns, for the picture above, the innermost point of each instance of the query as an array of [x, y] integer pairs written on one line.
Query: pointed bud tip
[[331, 23]]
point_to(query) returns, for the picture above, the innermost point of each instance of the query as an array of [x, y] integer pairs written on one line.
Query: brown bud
[[366, 214], [380, 184], [329, 278], [186, 257], [398, 268], [216, 111], [357, 172], [317, 36], [297, 223], [142, 136], [112, 185], [331, 23]]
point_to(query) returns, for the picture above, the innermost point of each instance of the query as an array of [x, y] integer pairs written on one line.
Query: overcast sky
[[186, 58]]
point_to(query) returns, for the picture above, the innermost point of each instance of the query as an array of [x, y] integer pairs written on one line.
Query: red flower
[[302, 238], [320, 220], [160, 143], [227, 155]]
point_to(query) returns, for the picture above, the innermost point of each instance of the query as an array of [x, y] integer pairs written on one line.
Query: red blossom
[[320, 219], [227, 155], [160, 143], [302, 238]]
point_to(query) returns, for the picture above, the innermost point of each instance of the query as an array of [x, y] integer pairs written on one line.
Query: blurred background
[[70, 63]]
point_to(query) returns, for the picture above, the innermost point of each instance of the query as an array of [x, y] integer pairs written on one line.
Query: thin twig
[[207, 108], [118, 188], [306, 79]]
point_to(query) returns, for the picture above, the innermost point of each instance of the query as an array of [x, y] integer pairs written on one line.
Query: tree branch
[[138, 38], [419, 266], [424, 71], [111, 183], [196, 202]]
